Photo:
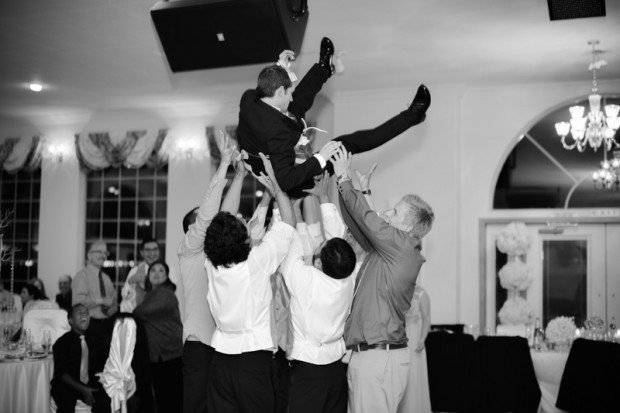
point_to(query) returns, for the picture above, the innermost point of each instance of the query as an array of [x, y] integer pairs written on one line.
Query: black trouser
[[196, 365], [241, 383], [318, 388], [66, 397], [168, 385], [281, 377]]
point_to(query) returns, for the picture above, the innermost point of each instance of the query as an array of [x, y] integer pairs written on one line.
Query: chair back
[[118, 378], [55, 321]]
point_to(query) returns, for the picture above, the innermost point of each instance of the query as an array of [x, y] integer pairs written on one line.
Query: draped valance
[[20, 153], [134, 149]]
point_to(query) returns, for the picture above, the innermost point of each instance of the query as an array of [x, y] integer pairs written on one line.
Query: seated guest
[[159, 312], [76, 360], [63, 298], [39, 284], [240, 296], [9, 301], [33, 300], [321, 296]]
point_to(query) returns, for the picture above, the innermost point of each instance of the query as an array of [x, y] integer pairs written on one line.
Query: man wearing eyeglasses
[[133, 291], [94, 289]]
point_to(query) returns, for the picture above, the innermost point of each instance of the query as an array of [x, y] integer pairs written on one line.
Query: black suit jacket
[[263, 128], [68, 356]]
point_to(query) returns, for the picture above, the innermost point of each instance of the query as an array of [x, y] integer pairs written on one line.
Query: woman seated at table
[[39, 284], [76, 360], [164, 332], [33, 300]]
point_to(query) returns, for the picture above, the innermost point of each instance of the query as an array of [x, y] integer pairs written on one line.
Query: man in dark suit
[[271, 122]]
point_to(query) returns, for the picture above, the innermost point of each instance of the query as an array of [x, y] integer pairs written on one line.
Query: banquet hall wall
[[452, 160]]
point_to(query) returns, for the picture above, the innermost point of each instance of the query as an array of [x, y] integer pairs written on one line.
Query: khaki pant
[[377, 380]]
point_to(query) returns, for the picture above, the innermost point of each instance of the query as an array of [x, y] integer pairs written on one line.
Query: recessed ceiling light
[[36, 87]]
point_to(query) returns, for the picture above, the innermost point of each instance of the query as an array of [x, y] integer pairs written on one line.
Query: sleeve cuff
[[321, 160]]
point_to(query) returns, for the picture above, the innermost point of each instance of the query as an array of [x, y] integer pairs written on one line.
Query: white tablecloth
[[25, 385], [549, 367]]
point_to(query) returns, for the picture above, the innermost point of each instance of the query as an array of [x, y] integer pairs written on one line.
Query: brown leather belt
[[378, 346]]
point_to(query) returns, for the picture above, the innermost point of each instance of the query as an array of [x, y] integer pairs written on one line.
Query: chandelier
[[608, 177], [596, 128]]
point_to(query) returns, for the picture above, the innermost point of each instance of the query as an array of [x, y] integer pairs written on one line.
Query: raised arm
[[233, 196], [333, 224], [284, 203], [384, 238], [193, 242]]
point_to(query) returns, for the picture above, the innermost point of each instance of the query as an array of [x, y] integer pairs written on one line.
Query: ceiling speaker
[[206, 34], [575, 9]]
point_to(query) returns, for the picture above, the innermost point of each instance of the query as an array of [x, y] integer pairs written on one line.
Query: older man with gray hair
[[375, 330], [63, 298]]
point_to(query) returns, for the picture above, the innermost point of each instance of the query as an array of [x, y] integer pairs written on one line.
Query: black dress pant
[[168, 385], [196, 365], [241, 383], [281, 377], [318, 388], [66, 397]]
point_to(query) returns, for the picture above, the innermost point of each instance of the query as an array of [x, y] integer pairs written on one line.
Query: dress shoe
[[420, 104], [327, 52]]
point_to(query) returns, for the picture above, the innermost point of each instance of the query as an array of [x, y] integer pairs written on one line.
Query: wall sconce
[[187, 147], [55, 153]]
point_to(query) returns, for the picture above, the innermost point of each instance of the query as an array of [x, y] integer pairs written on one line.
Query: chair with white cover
[[37, 321], [117, 377]]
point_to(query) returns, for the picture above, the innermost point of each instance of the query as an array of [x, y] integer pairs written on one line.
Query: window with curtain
[[123, 207], [20, 193]]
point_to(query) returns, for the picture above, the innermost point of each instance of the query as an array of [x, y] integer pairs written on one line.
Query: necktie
[[84, 361], [101, 284]]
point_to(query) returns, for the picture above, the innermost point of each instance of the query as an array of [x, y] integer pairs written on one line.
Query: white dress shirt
[[240, 296], [198, 323], [319, 308]]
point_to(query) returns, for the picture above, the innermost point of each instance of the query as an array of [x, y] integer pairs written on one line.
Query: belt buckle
[[357, 348]]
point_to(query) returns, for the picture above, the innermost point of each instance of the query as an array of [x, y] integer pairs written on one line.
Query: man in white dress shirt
[[240, 297], [321, 297]]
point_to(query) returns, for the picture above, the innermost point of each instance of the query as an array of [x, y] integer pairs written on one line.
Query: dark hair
[[33, 291], [337, 258], [149, 240], [270, 79], [227, 241], [168, 283], [41, 290], [73, 309], [189, 219]]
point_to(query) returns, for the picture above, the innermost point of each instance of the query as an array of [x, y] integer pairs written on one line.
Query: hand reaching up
[[365, 178], [342, 163], [321, 188], [226, 147], [329, 149]]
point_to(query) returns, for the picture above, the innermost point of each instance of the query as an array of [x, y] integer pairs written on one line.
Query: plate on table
[[36, 356]]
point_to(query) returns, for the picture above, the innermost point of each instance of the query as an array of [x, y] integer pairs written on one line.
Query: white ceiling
[[100, 55]]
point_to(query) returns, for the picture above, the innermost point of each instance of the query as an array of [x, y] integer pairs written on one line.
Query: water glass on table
[[46, 342]]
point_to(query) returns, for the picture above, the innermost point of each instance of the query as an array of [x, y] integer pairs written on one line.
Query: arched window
[[540, 173]]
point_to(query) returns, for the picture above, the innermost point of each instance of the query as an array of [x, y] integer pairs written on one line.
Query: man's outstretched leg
[[366, 140]]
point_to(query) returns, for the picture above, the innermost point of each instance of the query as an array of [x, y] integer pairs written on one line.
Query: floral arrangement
[[515, 275], [514, 239], [516, 311], [560, 329]]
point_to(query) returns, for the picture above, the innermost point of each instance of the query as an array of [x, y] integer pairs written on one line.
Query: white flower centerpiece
[[561, 332], [516, 277]]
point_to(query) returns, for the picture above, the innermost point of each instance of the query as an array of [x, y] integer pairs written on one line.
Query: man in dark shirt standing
[[375, 329], [63, 298], [76, 360]]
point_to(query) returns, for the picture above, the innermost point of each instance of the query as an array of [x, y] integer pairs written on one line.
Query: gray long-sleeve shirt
[[386, 280]]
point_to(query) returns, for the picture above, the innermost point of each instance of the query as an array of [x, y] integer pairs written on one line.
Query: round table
[[25, 385], [549, 367]]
